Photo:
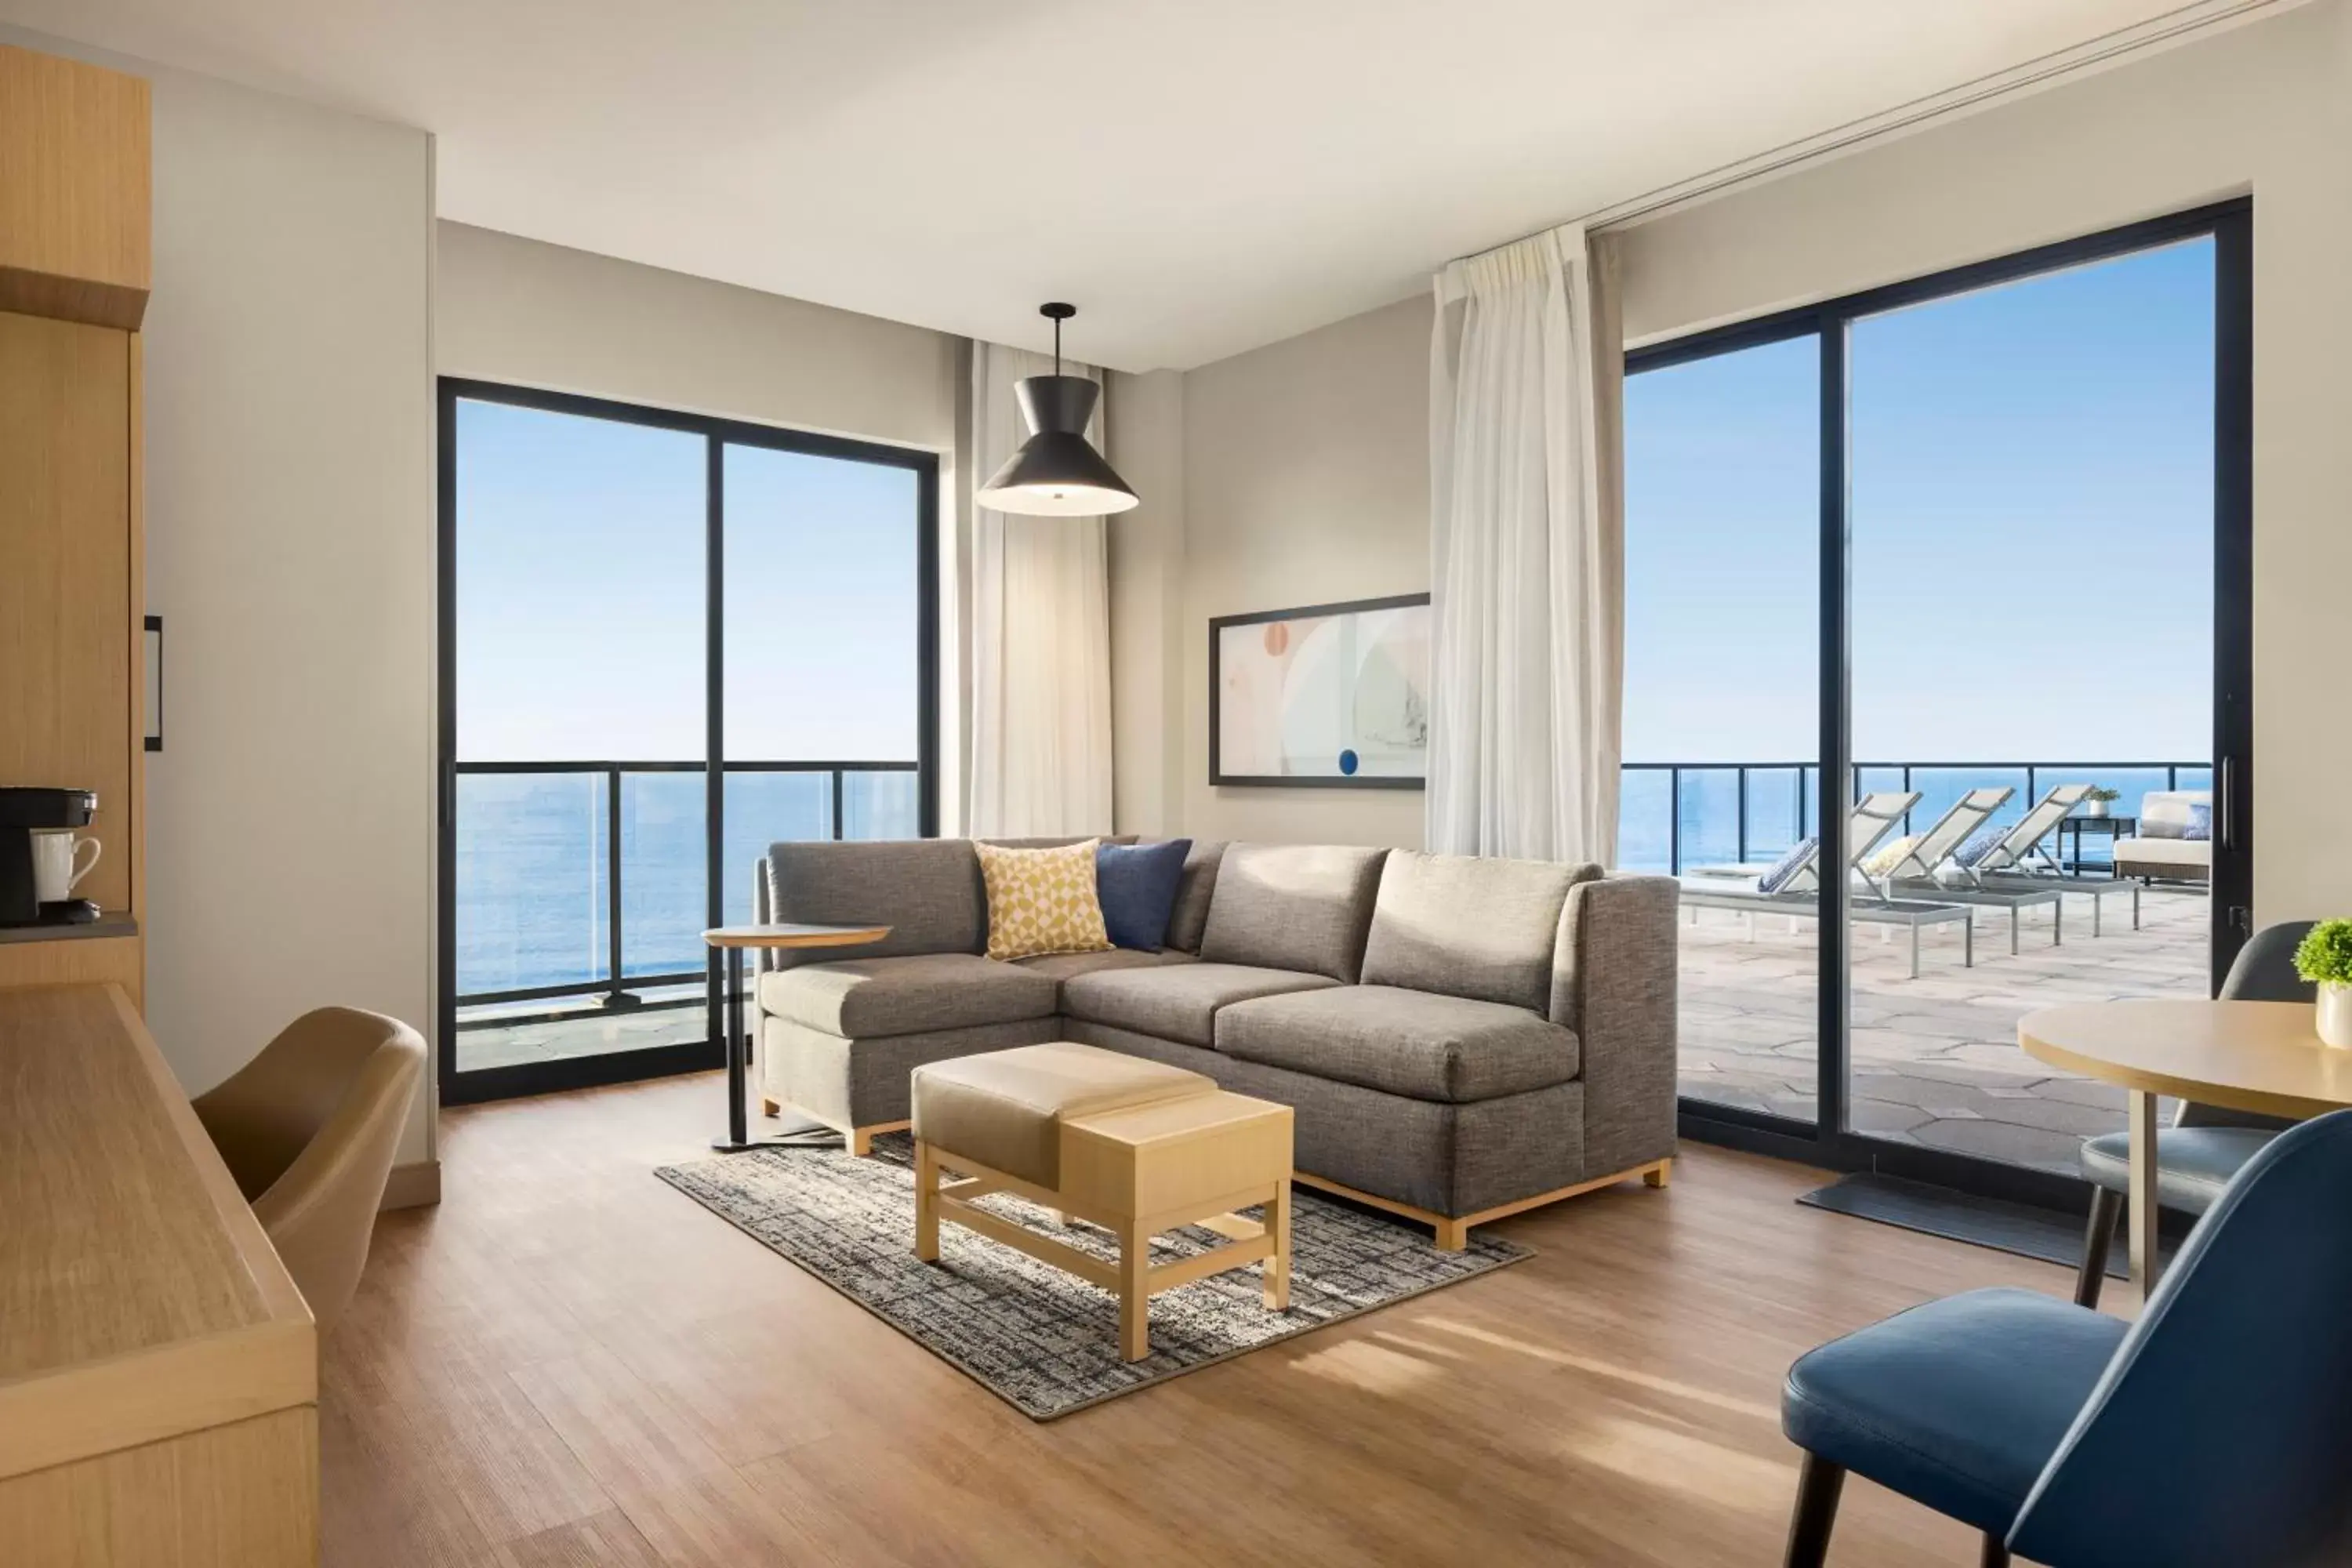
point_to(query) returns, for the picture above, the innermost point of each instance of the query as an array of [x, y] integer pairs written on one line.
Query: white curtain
[[1040, 638], [1526, 531]]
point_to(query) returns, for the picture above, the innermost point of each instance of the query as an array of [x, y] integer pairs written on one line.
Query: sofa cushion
[[1042, 900], [915, 993], [1070, 966], [1465, 926], [1136, 884], [2192, 852], [926, 890], [1412, 1042], [1293, 906], [1175, 1001], [1190, 917]]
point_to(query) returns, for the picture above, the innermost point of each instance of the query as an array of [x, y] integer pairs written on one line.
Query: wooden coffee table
[[1136, 1172]]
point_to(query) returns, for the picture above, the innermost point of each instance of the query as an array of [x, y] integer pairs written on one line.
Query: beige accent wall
[[540, 315], [290, 552], [532, 314], [1305, 481], [1305, 461]]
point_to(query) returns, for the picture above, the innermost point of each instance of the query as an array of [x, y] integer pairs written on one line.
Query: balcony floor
[[1935, 1059]]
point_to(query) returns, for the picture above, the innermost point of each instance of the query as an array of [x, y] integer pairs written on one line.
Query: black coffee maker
[[21, 811]]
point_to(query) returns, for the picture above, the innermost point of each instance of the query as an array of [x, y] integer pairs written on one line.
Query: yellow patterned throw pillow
[[1042, 900]]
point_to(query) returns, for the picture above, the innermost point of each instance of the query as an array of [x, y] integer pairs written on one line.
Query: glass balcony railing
[[1673, 815], [574, 878]]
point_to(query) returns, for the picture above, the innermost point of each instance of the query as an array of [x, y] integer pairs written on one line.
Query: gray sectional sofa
[[1460, 1038]]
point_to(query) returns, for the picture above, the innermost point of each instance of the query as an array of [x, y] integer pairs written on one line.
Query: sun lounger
[[1908, 914], [2021, 847]]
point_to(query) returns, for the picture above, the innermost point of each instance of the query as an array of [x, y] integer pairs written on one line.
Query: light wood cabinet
[[74, 191], [73, 262]]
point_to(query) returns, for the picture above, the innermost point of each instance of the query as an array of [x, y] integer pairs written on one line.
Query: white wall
[[1145, 436], [1305, 461], [290, 552], [2264, 108]]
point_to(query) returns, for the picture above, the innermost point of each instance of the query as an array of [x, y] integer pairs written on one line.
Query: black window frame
[[462, 1088], [1827, 1141]]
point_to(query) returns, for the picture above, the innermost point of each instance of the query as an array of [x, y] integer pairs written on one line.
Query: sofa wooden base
[[1454, 1230], [859, 1140]]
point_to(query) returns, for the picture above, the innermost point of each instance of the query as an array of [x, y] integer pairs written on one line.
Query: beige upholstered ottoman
[[1127, 1144]]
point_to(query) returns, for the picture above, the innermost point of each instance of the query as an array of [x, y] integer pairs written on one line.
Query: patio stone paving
[[1935, 1060]]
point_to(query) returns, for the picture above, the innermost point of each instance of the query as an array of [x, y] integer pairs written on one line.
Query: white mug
[[58, 865]]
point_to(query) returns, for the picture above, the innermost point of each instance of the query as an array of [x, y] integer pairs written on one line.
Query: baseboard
[[412, 1186]]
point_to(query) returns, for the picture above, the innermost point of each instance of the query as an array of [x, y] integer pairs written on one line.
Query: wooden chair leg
[[927, 1203], [1134, 1292], [2098, 1235], [861, 1142], [769, 1107], [1996, 1552], [1818, 1485], [1278, 1268], [1660, 1175]]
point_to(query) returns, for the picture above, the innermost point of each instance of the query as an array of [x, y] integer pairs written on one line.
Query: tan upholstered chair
[[307, 1128]]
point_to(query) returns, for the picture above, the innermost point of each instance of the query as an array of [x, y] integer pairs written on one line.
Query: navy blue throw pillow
[[1136, 884]]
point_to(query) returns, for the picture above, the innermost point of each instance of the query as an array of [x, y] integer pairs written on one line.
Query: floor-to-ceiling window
[[1979, 542], [631, 597]]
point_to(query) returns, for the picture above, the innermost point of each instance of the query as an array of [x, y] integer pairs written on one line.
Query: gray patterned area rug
[[1044, 1341]]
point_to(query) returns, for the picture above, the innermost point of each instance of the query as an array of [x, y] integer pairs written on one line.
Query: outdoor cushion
[[1068, 965], [1293, 906], [2193, 1164], [2165, 851], [1412, 1042], [2199, 824], [1956, 1405], [1190, 917], [926, 890], [858, 997], [1983, 842], [1042, 900], [1176, 1001], [1787, 866], [1465, 926], [1136, 884]]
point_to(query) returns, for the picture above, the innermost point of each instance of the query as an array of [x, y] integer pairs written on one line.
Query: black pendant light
[[1056, 473]]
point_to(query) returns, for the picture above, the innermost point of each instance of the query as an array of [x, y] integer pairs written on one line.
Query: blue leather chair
[[2217, 1430], [2209, 1143]]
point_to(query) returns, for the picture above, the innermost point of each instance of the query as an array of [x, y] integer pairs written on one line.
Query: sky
[[579, 584], [2031, 542]]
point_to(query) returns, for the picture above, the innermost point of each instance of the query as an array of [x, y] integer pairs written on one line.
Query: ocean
[[533, 893]]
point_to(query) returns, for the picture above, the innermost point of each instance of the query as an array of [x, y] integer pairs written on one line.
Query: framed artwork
[[1331, 695]]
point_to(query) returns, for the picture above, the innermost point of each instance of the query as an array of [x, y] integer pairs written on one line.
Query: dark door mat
[[2046, 1236]]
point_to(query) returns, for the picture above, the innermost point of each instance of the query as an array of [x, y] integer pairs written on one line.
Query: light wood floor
[[567, 1363]]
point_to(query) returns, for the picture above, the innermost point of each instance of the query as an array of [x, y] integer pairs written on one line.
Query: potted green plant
[[2100, 799], [2325, 959]]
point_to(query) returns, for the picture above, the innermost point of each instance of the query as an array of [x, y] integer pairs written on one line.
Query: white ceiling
[[1201, 176]]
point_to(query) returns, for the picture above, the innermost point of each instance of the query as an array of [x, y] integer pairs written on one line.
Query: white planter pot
[[2335, 1015], [2095, 808]]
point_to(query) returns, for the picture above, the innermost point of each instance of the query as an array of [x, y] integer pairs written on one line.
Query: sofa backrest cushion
[[2166, 812], [1137, 886], [1190, 919], [1463, 925], [1293, 906], [926, 890]]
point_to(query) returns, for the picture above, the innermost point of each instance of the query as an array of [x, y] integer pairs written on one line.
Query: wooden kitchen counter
[[158, 1368]]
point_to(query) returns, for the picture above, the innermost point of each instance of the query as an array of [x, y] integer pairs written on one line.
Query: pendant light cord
[[1057, 345]]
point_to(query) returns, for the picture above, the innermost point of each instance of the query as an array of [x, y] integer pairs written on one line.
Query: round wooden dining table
[[2263, 1056]]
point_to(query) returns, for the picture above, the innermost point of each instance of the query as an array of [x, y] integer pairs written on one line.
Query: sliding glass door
[[667, 642], [2015, 629]]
